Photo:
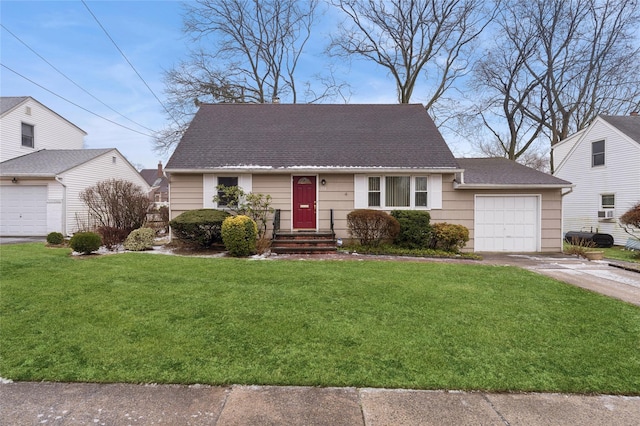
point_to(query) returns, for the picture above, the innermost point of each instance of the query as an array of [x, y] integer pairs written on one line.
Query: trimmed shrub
[[85, 242], [449, 236], [199, 228], [372, 227], [55, 238], [140, 239], [415, 230], [239, 234]]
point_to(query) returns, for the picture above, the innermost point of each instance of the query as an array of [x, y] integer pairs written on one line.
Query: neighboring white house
[[603, 162], [27, 126], [39, 192], [44, 169]]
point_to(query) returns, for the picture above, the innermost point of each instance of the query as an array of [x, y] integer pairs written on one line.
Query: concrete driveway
[[620, 280]]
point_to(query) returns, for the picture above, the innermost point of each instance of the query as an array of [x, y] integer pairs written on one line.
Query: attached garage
[[509, 223], [23, 210]]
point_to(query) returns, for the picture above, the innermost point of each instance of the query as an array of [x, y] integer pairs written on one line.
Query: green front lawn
[[140, 318]]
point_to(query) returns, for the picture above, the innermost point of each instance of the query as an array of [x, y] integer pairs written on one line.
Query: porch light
[[323, 182]]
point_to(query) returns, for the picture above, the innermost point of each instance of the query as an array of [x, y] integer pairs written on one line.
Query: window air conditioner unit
[[605, 214]]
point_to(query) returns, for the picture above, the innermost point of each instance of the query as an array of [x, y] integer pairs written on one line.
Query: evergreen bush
[[372, 227], [85, 242], [140, 239], [199, 228], [449, 236], [239, 234], [55, 238], [415, 230]]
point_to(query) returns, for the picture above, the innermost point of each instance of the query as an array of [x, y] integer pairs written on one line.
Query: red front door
[[304, 202]]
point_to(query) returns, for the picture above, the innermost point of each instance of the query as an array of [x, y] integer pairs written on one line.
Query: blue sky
[[149, 33]]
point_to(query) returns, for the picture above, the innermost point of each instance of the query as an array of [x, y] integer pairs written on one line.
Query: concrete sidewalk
[[27, 403]]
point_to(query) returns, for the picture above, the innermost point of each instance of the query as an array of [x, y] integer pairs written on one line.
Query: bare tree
[[556, 65], [249, 51], [509, 91], [587, 57], [410, 38]]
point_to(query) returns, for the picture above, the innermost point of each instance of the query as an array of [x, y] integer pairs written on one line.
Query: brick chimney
[[160, 173], [634, 113]]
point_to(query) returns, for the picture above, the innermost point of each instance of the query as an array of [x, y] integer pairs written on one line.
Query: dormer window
[[597, 154], [27, 135]]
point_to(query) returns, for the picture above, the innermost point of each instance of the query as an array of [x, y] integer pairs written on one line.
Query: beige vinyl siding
[[51, 131], [185, 193], [458, 207], [338, 195], [279, 187]]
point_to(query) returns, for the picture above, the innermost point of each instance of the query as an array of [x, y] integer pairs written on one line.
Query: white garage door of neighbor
[[505, 223], [23, 211]]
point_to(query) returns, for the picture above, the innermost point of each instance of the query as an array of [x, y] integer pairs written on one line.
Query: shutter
[[435, 191], [208, 191], [245, 183], [361, 191]]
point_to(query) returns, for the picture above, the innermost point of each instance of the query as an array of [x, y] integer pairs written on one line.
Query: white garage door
[[23, 211], [506, 223]]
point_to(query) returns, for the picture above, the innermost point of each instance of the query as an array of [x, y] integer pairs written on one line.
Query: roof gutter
[[311, 169], [457, 185]]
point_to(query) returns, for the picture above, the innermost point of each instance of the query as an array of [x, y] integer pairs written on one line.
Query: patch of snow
[[5, 381]]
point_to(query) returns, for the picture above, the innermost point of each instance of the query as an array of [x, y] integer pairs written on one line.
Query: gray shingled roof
[[501, 171], [7, 103], [311, 135], [627, 124], [49, 162]]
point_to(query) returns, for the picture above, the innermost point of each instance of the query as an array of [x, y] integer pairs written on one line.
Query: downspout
[[64, 204], [562, 194]]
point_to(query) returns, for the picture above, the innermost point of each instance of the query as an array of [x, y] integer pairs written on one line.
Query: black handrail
[[331, 218], [276, 222]]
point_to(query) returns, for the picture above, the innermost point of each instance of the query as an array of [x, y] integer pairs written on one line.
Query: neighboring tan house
[[603, 161], [320, 162], [159, 184], [44, 169]]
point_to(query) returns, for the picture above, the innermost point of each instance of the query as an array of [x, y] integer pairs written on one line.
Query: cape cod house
[[320, 162]]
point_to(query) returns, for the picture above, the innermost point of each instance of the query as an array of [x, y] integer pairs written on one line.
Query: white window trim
[[434, 192], [210, 184], [608, 207], [604, 154]]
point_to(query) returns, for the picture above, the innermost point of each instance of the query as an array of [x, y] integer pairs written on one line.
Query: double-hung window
[[597, 153], [27, 135], [397, 191], [608, 201], [226, 181]]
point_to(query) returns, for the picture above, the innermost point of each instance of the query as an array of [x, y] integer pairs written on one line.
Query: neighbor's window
[[608, 201], [374, 191], [226, 181], [597, 154], [27, 135]]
